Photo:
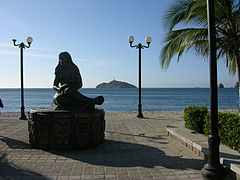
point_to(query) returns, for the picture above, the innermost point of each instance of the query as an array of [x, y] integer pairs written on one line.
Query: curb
[[199, 144]]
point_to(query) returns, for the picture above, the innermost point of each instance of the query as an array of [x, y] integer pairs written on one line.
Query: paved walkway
[[134, 149]]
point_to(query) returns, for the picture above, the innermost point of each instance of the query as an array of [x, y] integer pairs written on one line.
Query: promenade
[[134, 149]]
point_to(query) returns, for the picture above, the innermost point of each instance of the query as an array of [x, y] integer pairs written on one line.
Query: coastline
[[146, 114]]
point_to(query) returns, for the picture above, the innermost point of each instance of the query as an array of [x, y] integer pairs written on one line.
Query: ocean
[[125, 100]]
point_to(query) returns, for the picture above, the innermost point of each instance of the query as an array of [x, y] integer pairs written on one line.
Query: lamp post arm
[[21, 45], [132, 45], [145, 46], [14, 42], [148, 44], [28, 45]]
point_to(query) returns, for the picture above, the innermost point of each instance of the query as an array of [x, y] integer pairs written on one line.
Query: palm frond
[[178, 41], [193, 12], [175, 14]]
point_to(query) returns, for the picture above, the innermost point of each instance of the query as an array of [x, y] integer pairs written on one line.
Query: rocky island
[[115, 84], [220, 85]]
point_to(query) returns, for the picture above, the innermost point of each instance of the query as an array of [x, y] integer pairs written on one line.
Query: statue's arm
[[56, 83]]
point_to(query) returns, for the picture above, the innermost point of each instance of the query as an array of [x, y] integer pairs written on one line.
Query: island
[[220, 85], [236, 85], [115, 84]]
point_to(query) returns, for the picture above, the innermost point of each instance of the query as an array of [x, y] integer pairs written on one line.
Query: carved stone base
[[61, 129]]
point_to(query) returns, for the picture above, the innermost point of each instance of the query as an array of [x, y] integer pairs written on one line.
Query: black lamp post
[[213, 169], [22, 46], [140, 47]]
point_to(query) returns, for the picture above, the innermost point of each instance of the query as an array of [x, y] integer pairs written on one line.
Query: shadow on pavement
[[120, 154], [14, 143], [11, 170], [142, 135], [125, 154]]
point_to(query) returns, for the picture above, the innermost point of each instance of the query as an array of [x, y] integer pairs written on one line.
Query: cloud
[[93, 62], [6, 45], [8, 52], [15, 52], [41, 55], [84, 61]]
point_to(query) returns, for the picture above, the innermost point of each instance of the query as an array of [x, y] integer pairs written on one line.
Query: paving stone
[[51, 178], [74, 177], [110, 176], [99, 176], [63, 178], [182, 176], [86, 177]]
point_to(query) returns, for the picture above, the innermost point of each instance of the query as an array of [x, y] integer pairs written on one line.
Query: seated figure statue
[[66, 83]]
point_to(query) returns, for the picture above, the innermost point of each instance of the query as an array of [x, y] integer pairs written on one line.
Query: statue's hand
[[99, 100], [63, 87], [66, 90]]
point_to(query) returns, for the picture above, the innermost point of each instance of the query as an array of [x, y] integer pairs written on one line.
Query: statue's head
[[65, 59]]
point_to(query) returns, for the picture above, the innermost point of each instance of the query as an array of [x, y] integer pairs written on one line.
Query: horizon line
[[115, 88]]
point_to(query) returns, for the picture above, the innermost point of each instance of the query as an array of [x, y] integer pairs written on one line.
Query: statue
[[1, 104], [66, 84]]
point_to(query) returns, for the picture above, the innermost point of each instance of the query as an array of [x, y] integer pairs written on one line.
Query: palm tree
[[195, 37]]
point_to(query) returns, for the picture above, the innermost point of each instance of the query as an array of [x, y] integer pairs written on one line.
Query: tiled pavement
[[134, 149]]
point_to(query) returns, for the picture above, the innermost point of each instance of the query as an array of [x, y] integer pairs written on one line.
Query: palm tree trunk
[[238, 68]]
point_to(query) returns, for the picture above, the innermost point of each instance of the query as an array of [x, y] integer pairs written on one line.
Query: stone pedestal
[[61, 129]]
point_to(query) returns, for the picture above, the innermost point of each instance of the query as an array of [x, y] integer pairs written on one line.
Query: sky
[[95, 33]]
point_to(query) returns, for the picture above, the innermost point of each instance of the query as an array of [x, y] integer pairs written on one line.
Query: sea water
[[125, 100]]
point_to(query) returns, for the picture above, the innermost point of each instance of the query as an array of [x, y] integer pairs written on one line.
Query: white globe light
[[148, 40], [29, 40], [130, 39]]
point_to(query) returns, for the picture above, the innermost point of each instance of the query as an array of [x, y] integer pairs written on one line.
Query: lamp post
[[213, 169], [139, 47], [22, 46]]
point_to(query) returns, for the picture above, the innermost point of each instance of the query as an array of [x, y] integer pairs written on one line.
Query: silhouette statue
[[66, 84], [1, 104]]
